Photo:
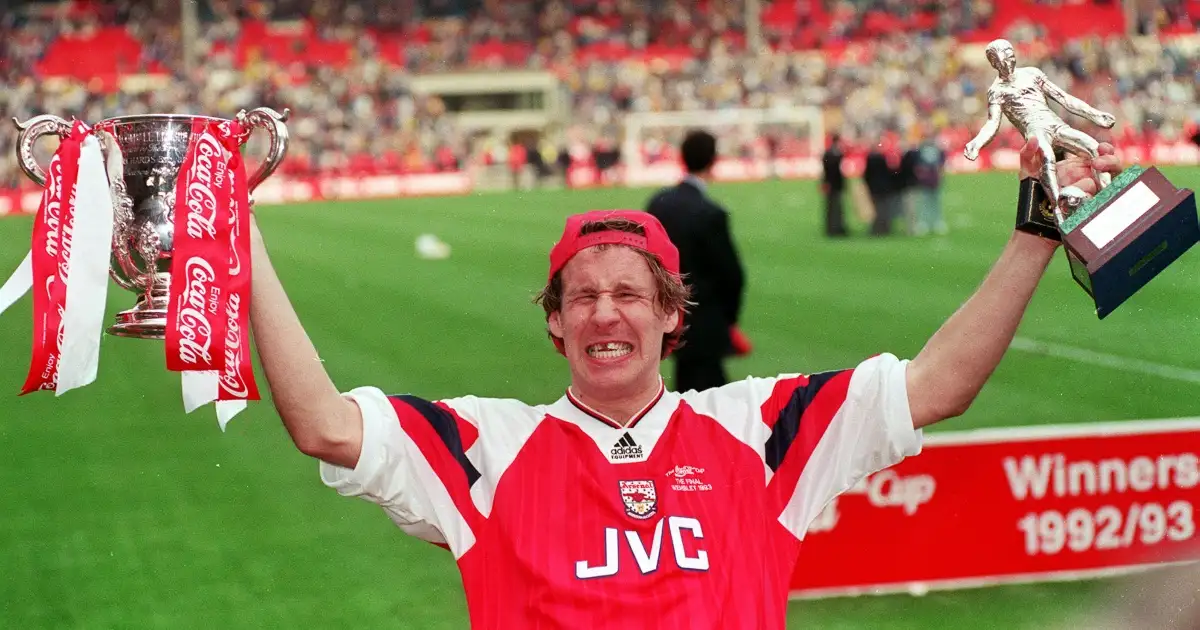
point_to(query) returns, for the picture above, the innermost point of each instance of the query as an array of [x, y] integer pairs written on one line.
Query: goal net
[[752, 144]]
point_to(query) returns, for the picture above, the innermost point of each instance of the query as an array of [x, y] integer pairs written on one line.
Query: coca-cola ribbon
[[67, 267], [208, 311], [53, 230], [237, 380]]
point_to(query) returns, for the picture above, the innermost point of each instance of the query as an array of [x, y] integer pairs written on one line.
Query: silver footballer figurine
[[1020, 94]]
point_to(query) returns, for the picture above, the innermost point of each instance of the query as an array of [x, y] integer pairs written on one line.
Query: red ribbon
[[52, 231], [208, 313], [237, 379], [195, 333]]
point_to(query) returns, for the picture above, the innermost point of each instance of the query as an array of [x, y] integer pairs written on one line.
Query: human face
[[610, 322], [1006, 60]]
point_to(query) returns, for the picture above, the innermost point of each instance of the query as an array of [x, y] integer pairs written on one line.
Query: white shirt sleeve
[[392, 472], [871, 430]]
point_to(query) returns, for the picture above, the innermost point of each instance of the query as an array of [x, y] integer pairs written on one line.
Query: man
[[833, 186], [1020, 94], [925, 193], [709, 261], [881, 174], [621, 504]]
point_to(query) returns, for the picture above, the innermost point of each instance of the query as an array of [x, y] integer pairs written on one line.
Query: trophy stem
[[148, 318]]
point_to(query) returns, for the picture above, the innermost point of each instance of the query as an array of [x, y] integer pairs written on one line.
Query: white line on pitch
[[1081, 355]]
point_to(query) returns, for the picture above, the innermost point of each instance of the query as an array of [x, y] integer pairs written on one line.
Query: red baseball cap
[[655, 242]]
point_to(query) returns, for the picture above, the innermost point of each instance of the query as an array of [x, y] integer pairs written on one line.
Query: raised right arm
[[322, 423], [989, 129]]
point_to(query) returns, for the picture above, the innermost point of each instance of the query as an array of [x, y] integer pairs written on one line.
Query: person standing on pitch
[[833, 187], [881, 174], [699, 228], [622, 504], [929, 163]]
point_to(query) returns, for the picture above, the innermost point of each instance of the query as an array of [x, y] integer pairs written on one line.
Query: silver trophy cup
[[143, 155]]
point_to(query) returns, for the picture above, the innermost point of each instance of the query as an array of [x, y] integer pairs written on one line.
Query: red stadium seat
[[98, 56]]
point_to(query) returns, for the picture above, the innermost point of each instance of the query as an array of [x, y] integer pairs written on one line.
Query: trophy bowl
[[142, 156]]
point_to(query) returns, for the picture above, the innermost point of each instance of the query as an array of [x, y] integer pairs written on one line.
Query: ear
[[673, 320], [554, 322]]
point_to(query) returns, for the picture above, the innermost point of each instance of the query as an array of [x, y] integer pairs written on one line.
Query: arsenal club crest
[[639, 497]]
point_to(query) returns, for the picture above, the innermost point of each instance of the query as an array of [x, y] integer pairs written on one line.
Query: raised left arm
[[1072, 104], [949, 372]]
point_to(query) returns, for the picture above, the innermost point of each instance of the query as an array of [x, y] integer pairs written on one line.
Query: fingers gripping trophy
[[161, 204], [1117, 240]]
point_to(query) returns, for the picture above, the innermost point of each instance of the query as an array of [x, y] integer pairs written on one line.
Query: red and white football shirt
[[689, 518]]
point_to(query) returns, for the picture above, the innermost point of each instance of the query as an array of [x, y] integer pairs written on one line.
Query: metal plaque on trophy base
[[1127, 234]]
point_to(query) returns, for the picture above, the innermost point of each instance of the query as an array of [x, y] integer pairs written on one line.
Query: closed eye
[[620, 295]]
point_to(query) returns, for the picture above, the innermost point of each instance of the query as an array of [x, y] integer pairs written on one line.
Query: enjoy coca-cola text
[[194, 328], [53, 206], [68, 232], [231, 377], [207, 172]]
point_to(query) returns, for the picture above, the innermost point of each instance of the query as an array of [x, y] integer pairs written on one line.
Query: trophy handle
[[273, 122], [32, 130]]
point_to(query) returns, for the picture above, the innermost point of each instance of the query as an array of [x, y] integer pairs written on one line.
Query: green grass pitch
[[119, 511]]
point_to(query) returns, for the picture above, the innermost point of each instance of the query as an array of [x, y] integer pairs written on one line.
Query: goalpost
[[734, 129]]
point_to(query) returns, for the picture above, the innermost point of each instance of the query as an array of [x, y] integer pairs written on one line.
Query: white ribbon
[[17, 284], [227, 409], [201, 388], [87, 274]]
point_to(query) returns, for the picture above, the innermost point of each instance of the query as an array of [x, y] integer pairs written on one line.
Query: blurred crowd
[[360, 113]]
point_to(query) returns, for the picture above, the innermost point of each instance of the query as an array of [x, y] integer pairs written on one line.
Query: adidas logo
[[626, 448]]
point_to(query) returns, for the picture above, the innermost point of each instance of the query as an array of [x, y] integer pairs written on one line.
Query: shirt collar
[[581, 406], [697, 182]]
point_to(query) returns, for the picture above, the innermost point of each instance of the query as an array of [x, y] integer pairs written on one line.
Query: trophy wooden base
[[1127, 234]]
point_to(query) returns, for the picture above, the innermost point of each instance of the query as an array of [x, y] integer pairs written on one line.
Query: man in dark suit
[[881, 174], [699, 227], [833, 185]]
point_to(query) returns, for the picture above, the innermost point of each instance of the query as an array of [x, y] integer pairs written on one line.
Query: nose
[[606, 310]]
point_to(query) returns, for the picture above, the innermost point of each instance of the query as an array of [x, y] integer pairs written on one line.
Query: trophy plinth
[[1127, 234]]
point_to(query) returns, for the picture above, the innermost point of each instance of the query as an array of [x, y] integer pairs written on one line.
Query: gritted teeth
[[609, 349]]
